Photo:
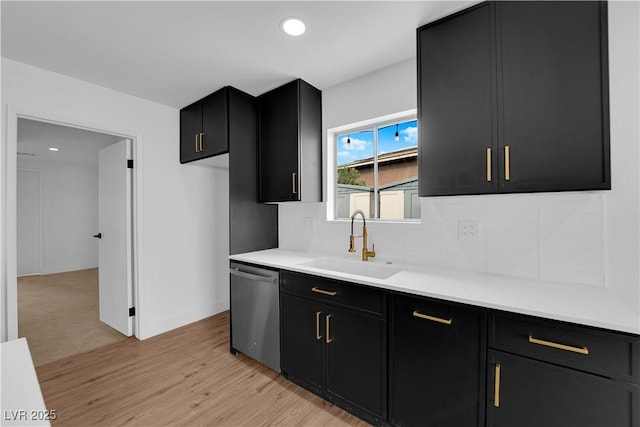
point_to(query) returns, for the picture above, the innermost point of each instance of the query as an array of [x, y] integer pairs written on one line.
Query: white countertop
[[582, 304], [22, 402]]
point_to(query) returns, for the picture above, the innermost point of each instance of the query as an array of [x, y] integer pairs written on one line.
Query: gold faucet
[[366, 253]]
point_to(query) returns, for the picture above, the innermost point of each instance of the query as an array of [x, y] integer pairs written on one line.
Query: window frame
[[373, 124]]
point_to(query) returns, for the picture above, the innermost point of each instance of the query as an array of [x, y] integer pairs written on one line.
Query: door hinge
[[129, 164], [132, 311]]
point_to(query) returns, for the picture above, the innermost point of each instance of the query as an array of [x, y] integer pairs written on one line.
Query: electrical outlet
[[468, 230]]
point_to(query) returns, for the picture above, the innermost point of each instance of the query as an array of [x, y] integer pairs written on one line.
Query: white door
[[28, 218], [114, 249]]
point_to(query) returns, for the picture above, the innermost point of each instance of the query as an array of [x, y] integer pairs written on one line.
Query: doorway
[[58, 263]]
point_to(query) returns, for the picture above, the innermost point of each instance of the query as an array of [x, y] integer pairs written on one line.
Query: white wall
[[588, 238], [29, 222], [69, 207], [178, 205]]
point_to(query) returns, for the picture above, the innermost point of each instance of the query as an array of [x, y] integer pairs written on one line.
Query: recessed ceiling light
[[54, 149], [293, 26]]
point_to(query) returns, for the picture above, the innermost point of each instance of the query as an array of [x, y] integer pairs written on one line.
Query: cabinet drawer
[[611, 354], [334, 291]]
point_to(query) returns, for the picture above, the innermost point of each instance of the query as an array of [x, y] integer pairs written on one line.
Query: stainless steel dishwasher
[[255, 313]]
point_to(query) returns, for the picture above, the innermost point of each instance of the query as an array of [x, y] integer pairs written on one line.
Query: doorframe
[[13, 114]]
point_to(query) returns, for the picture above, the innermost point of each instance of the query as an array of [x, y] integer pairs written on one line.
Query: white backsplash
[[557, 236]]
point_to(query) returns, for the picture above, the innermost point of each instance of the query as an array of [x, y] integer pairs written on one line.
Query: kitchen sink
[[360, 268]]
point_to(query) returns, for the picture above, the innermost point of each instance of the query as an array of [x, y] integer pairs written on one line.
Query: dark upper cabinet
[[513, 97], [204, 127], [290, 143], [554, 92], [437, 363], [456, 103]]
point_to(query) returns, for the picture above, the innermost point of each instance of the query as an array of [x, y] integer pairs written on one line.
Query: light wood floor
[[183, 377]]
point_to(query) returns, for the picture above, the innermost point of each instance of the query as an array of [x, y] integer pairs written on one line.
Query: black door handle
[[98, 236]]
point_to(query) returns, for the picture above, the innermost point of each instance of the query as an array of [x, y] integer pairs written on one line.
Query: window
[[376, 169]]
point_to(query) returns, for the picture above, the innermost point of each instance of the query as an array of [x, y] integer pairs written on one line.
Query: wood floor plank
[[184, 377]]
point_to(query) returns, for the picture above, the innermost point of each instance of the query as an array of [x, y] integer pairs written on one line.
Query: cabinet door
[[215, 138], [279, 144], [190, 128], [302, 339], [554, 95], [456, 104], [533, 394], [356, 361], [437, 369]]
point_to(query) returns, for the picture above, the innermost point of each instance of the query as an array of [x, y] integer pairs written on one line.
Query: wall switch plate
[[468, 230]]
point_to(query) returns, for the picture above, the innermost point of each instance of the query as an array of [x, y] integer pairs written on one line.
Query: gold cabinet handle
[[328, 334], [507, 163], [197, 144], [496, 387], [318, 336], [293, 183], [488, 164], [432, 318], [201, 142], [581, 350], [322, 291]]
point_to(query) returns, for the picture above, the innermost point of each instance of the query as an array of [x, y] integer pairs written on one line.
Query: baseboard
[[68, 268], [157, 327]]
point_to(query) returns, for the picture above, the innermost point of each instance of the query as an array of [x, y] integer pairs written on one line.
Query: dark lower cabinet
[[436, 363], [301, 358], [528, 393], [301, 340], [356, 361], [336, 351], [548, 373], [404, 360]]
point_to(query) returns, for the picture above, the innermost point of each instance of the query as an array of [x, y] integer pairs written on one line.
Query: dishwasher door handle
[[251, 276]]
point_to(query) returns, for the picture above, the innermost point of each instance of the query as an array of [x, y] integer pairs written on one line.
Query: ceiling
[[75, 145], [175, 52]]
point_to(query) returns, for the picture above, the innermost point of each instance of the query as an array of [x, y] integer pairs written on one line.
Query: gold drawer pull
[[507, 163], [318, 336], [581, 350], [433, 319], [322, 291], [327, 338], [488, 164], [293, 183], [496, 387]]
